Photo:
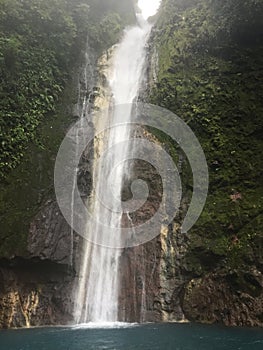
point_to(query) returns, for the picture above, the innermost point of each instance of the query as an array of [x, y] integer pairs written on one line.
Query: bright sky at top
[[149, 7]]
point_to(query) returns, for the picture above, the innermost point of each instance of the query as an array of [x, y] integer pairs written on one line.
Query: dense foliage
[[42, 45], [210, 74], [40, 41]]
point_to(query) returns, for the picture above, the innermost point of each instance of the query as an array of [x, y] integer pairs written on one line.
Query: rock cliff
[[206, 66], [39, 253]]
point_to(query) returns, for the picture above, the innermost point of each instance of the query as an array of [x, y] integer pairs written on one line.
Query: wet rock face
[[140, 265], [227, 299], [34, 293], [151, 279], [37, 290], [50, 235], [228, 235], [140, 283]]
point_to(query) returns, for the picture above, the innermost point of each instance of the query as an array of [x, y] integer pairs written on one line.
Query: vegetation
[[41, 47], [39, 43], [210, 60], [210, 74]]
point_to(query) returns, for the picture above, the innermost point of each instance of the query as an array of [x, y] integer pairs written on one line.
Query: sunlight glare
[[149, 7]]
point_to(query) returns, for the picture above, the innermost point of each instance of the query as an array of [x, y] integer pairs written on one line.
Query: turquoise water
[[140, 337]]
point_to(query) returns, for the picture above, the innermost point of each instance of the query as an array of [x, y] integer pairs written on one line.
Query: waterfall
[[98, 288]]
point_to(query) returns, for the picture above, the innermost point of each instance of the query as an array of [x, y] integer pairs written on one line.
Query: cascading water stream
[[97, 291]]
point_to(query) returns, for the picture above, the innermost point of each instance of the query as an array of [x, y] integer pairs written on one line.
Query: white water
[[105, 325], [98, 288]]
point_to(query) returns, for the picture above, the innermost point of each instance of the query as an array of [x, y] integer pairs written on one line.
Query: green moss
[[41, 46], [40, 43], [212, 79], [30, 184]]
